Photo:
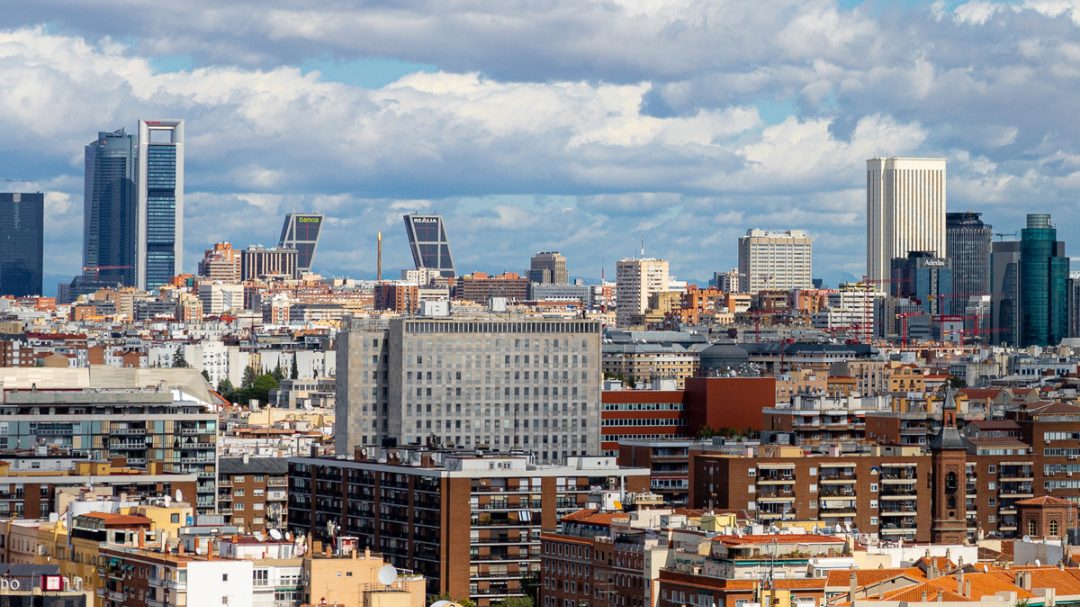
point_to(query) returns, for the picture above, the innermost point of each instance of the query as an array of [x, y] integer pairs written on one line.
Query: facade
[[110, 209], [967, 246], [253, 492], [1074, 304], [927, 281], [160, 210], [22, 219], [1044, 274], [429, 244], [470, 524], [775, 260], [480, 287], [401, 297], [221, 263], [475, 382], [635, 281], [905, 211], [218, 297], [301, 232], [259, 262], [548, 267], [1005, 292]]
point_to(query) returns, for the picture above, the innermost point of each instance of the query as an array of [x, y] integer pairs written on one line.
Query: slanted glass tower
[[301, 232], [161, 201], [430, 247], [1044, 275], [21, 248], [110, 228]]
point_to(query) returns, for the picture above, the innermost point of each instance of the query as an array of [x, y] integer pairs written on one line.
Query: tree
[[294, 372], [517, 601], [248, 378], [178, 360], [262, 386], [226, 389], [206, 374], [277, 372]]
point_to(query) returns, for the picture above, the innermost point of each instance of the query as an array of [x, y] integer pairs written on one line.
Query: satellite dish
[[442, 603], [387, 575], [179, 495], [1038, 563], [275, 535], [258, 535], [288, 535], [168, 501]]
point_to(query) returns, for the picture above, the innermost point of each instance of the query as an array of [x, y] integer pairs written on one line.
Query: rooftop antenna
[[643, 248], [378, 264]]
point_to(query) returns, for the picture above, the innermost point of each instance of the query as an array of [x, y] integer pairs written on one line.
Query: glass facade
[[160, 202], [1044, 273], [301, 232], [429, 245], [967, 244], [109, 213], [21, 231]]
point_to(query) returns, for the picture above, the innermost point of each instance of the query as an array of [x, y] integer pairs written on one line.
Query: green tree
[[262, 386], [226, 389], [277, 373], [178, 360], [294, 371], [517, 601], [249, 377], [206, 374]]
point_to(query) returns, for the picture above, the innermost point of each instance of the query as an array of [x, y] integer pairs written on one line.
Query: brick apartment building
[[469, 522], [253, 492]]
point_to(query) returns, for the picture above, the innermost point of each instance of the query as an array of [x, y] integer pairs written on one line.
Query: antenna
[[387, 575], [643, 248]]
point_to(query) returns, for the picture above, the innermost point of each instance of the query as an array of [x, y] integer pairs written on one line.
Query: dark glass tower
[[967, 245], [1005, 292], [430, 248], [1044, 274], [21, 243], [161, 202], [110, 229], [301, 232]]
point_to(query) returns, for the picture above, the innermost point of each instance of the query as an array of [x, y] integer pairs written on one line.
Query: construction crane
[[1002, 235]]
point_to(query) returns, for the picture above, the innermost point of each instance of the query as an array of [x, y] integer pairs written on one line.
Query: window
[[174, 518], [1053, 527], [751, 472], [873, 487], [224, 577], [238, 479], [260, 577], [1031, 527]]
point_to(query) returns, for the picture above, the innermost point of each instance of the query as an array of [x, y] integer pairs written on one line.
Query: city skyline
[[607, 144]]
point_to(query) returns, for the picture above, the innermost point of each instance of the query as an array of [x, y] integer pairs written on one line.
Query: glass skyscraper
[[1044, 274], [110, 229], [161, 202], [430, 247], [21, 243], [301, 232], [967, 245], [1005, 292]]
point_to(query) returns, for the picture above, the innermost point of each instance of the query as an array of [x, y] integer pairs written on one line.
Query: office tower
[[1044, 272], [160, 213], [260, 262], [1005, 292], [21, 243], [548, 267], [1074, 304], [428, 243], [905, 211], [221, 263], [927, 280], [485, 381], [967, 245], [301, 232], [110, 211], [774, 260], [635, 281]]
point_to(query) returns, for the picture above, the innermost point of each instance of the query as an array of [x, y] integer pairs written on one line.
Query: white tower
[[905, 211]]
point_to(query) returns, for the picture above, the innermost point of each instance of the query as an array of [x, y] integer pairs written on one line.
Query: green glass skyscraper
[[1044, 274]]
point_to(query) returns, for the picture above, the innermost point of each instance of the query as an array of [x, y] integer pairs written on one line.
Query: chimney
[[180, 548], [967, 589], [198, 545], [854, 585], [1023, 579], [141, 536], [210, 550], [247, 458], [367, 552]]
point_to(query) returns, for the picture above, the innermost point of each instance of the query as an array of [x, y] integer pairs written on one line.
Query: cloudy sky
[[563, 124]]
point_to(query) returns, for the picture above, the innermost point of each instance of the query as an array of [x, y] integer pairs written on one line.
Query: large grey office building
[[548, 267], [21, 244], [160, 246], [429, 245], [967, 245], [474, 382], [301, 232], [110, 224]]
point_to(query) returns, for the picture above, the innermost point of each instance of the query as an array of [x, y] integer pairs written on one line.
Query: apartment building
[[636, 280], [470, 523], [253, 492], [775, 260]]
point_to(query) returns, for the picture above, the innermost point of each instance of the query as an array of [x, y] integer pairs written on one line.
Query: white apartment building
[[635, 281], [851, 307], [905, 212], [775, 260], [218, 298]]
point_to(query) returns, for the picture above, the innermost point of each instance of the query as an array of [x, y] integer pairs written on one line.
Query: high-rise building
[[474, 382], [428, 242], [548, 267], [967, 245], [260, 262], [727, 282], [1005, 292], [110, 211], [905, 211], [774, 260], [160, 180], [301, 232], [925, 279], [1074, 304], [21, 248], [1044, 273], [635, 281], [221, 263]]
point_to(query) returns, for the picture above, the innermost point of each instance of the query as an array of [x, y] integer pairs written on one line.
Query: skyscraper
[[635, 281], [110, 226], [21, 237], [1044, 275], [301, 232], [775, 260], [161, 202], [548, 267], [429, 245], [1005, 292], [905, 212], [1074, 304], [967, 245]]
